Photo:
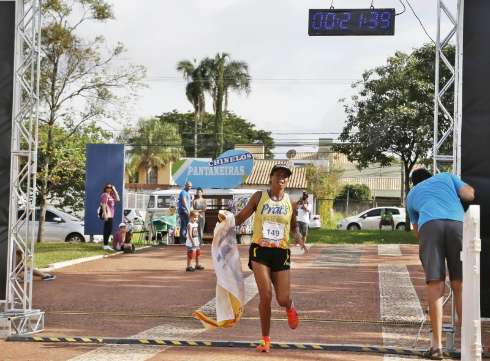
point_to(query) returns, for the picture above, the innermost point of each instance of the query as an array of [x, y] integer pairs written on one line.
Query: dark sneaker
[[48, 277], [190, 269], [434, 354], [199, 267]]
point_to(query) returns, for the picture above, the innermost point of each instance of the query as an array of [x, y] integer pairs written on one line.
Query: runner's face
[[280, 178]]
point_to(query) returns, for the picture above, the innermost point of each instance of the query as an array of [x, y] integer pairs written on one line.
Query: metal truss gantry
[[445, 154], [17, 314], [447, 140]]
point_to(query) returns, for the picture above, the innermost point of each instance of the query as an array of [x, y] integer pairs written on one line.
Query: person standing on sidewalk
[[184, 208], [269, 254], [303, 212], [436, 213], [108, 200], [199, 204]]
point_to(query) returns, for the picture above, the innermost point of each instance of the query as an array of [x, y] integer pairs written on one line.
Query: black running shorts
[[277, 259], [441, 241]]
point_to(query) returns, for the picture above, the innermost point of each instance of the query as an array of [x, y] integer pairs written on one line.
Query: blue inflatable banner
[[229, 170]]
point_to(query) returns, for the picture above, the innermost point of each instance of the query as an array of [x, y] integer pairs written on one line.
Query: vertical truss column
[[447, 154], [19, 313], [444, 153]]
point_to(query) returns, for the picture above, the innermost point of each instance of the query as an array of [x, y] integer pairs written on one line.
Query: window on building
[[152, 176]]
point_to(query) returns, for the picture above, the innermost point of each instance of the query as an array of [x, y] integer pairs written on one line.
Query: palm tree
[[223, 76], [237, 79], [155, 144], [196, 83]]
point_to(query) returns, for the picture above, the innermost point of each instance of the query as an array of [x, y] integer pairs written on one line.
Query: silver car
[[370, 219], [60, 226]]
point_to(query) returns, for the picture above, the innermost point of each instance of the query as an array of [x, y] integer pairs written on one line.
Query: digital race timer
[[351, 22]]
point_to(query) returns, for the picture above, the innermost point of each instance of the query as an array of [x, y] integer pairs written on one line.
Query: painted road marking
[[338, 256], [165, 331], [398, 301], [389, 250]]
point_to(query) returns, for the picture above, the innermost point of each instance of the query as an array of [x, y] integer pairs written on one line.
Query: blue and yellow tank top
[[272, 222]]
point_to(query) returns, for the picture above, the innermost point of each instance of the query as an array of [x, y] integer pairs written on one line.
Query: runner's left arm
[[249, 209]]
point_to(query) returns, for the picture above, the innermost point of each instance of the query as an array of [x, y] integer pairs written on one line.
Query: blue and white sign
[[229, 170]]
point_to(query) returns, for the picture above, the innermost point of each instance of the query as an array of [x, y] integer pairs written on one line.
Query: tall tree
[[67, 163], [236, 130], [224, 76], [324, 184], [154, 143], [392, 114], [358, 192], [196, 76], [78, 78]]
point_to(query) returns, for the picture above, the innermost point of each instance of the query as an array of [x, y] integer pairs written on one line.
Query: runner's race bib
[[272, 233]]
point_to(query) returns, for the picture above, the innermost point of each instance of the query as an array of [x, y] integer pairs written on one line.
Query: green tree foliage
[[67, 165], [358, 192], [154, 143], [218, 76], [236, 131], [196, 76], [391, 116], [324, 185], [79, 81]]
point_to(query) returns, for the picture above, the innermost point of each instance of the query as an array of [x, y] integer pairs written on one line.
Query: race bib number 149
[[273, 231]]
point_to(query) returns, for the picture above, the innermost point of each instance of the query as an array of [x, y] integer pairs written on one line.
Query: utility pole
[[347, 203], [195, 136], [402, 185]]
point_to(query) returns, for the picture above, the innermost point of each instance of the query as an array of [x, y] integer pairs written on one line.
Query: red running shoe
[[264, 346], [293, 319]]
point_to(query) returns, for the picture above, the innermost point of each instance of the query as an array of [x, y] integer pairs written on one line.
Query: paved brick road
[[148, 294]]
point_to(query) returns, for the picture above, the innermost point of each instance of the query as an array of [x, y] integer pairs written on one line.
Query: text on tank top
[[272, 222]]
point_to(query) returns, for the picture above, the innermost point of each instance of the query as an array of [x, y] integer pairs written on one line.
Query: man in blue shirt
[[184, 208], [436, 213]]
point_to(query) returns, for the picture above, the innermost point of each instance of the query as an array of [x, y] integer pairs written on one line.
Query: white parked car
[[315, 222], [60, 226], [370, 219]]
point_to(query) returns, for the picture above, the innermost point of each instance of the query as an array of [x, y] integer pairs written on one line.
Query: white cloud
[[272, 37]]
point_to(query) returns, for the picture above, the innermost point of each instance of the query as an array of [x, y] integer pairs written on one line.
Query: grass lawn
[[47, 253], [331, 236]]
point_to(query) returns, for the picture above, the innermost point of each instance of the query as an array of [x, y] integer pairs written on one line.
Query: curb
[[227, 344], [63, 264]]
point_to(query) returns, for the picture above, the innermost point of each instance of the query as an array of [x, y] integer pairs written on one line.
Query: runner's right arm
[[249, 209]]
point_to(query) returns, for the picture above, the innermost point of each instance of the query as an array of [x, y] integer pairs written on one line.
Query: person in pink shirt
[[108, 200]]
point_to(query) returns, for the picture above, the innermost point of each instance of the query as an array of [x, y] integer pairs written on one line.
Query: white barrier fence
[[471, 347]]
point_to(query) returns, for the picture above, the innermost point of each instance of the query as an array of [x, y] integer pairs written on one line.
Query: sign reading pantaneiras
[[229, 170]]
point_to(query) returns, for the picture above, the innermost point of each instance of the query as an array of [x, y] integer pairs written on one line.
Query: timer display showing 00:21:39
[[351, 22]]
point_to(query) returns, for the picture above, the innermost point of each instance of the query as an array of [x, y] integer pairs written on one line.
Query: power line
[[420, 21], [170, 78], [404, 8]]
